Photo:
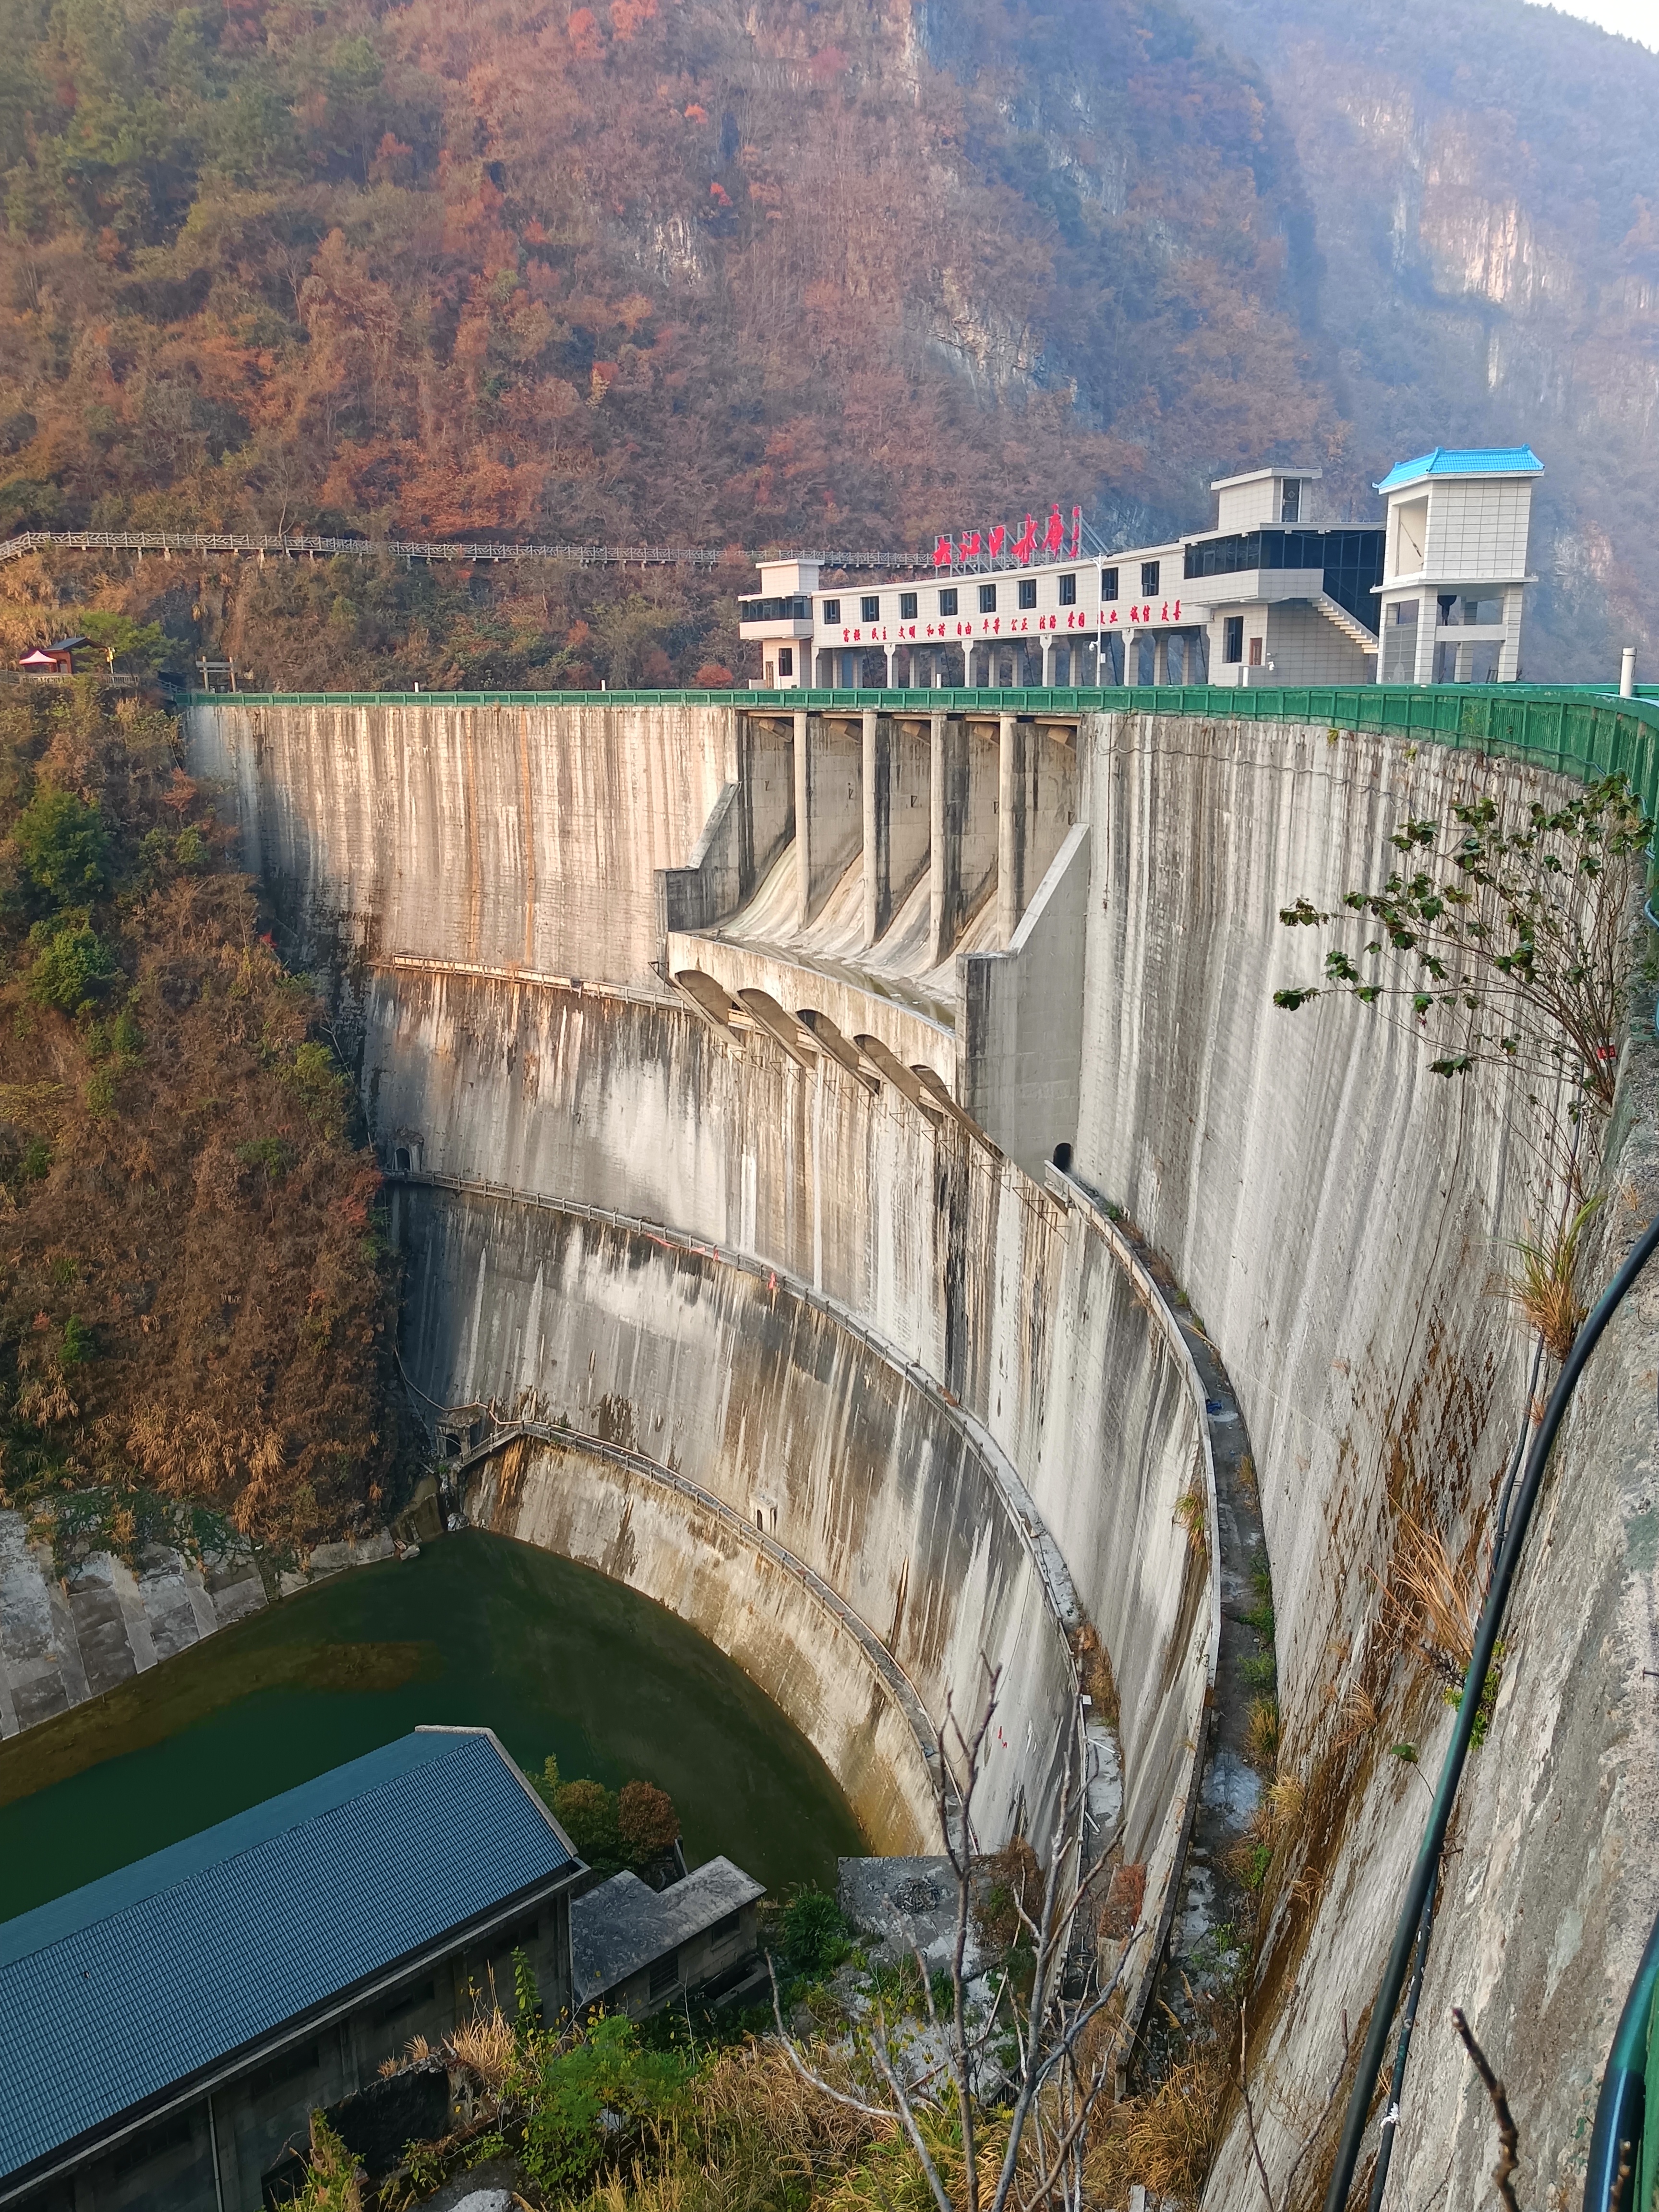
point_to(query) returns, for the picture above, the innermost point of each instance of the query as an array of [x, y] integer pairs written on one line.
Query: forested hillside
[[658, 268], [195, 1305], [807, 271]]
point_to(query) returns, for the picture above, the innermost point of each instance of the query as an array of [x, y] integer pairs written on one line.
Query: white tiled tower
[[1455, 566]]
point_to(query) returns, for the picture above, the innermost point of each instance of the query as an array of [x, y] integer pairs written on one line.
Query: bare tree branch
[[1509, 2139], [816, 2081]]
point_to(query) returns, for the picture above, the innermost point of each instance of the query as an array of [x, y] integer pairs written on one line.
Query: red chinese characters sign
[[952, 550]]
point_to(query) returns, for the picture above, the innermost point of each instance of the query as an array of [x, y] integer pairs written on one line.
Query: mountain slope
[[658, 268], [1485, 184]]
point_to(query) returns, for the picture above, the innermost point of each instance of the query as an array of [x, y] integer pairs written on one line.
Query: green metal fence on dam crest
[[1574, 730]]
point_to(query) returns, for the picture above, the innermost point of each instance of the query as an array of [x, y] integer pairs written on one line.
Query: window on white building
[[870, 607], [832, 610], [947, 601], [1068, 591], [1232, 638], [1149, 579], [987, 598], [1028, 591], [906, 606]]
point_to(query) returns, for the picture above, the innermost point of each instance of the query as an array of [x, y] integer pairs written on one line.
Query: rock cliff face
[[1483, 183]]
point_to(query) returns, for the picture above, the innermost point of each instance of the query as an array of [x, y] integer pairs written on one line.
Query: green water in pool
[[478, 1630]]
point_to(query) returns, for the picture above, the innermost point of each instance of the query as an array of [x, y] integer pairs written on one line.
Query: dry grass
[[1544, 1287], [1284, 1799], [1360, 1717], [1167, 2139], [488, 2046], [1261, 1732], [1193, 1512], [1434, 1599], [1095, 1669]]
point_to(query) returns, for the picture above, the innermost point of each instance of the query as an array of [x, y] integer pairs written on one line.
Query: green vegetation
[[1506, 939], [633, 1827], [179, 1353]]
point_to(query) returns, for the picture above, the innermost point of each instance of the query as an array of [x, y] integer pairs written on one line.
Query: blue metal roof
[[1475, 461], [113, 1994]]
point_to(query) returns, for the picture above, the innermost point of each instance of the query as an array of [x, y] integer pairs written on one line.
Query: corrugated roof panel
[[109, 1995], [1464, 461]]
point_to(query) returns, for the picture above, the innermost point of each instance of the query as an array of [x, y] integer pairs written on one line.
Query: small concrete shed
[[636, 1949]]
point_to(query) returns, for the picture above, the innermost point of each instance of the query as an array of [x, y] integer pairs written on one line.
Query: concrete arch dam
[[716, 1058]]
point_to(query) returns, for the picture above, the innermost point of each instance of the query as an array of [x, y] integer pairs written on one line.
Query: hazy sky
[[1636, 19]]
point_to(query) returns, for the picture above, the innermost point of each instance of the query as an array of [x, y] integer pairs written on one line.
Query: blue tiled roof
[[1477, 461], [113, 1993]]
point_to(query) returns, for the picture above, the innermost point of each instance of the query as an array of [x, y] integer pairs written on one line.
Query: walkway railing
[[1572, 730], [426, 549]]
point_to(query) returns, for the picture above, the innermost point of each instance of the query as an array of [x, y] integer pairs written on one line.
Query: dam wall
[[509, 836], [1342, 1221], [1048, 1382]]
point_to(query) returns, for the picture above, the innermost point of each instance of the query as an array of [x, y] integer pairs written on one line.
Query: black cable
[[1503, 1520], [1474, 1683], [1391, 2111]]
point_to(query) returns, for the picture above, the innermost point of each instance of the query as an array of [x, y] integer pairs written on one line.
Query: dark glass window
[[1028, 591], [870, 609], [405, 2001], [1232, 638], [832, 610], [1350, 560], [987, 598], [947, 601], [786, 661], [1068, 591], [1109, 583], [1149, 579], [1289, 499], [906, 606], [775, 610], [727, 1926]]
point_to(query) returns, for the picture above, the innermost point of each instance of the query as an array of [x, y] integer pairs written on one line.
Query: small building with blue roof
[[1455, 567], [170, 2028]]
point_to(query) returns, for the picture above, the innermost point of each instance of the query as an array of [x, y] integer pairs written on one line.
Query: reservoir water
[[476, 1630]]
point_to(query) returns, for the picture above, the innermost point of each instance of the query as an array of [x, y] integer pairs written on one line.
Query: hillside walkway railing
[[1572, 730], [293, 547]]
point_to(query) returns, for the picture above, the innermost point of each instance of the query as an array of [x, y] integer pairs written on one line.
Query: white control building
[[1274, 594]]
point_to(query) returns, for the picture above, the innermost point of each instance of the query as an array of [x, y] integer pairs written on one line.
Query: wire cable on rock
[[1427, 1865]]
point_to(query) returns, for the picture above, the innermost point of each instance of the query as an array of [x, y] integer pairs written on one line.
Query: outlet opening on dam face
[[475, 1630]]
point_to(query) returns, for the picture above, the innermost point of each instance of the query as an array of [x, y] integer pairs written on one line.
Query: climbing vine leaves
[[1502, 937]]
